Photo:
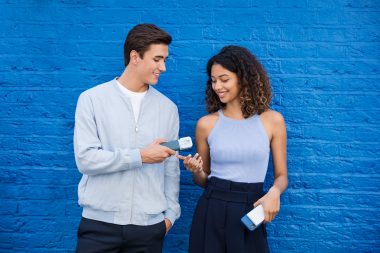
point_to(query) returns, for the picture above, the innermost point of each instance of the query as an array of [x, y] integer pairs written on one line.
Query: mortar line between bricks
[[332, 191], [54, 120], [43, 168], [313, 92], [293, 143], [332, 174], [273, 75], [328, 207], [315, 59], [277, 84], [111, 75], [263, 24]]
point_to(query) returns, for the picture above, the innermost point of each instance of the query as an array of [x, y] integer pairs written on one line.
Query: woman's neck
[[233, 110]]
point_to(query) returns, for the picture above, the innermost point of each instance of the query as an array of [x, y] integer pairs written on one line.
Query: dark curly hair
[[255, 94]]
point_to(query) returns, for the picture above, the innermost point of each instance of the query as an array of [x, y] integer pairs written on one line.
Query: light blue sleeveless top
[[239, 149]]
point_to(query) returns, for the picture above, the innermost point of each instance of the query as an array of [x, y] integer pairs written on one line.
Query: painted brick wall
[[323, 59]]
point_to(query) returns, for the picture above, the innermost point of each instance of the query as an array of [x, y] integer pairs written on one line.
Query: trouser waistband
[[233, 191]]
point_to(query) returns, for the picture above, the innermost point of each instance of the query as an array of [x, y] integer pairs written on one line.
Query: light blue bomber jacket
[[116, 187]]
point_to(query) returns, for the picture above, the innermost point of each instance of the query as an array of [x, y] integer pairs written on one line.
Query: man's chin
[[153, 82]]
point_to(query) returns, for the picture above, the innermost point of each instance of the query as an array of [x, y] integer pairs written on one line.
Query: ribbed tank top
[[239, 149]]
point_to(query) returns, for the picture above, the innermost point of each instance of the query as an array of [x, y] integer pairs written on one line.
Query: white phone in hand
[[254, 218], [180, 144]]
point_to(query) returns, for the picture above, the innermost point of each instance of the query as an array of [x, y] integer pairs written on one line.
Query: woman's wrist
[[275, 190], [200, 178], [198, 172]]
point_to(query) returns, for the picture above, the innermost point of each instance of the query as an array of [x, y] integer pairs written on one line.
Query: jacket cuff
[[170, 215], [136, 161]]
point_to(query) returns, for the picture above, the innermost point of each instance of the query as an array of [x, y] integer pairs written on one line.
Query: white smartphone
[[254, 218], [180, 144]]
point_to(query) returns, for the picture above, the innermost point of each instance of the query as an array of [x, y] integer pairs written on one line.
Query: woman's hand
[[193, 164], [270, 203]]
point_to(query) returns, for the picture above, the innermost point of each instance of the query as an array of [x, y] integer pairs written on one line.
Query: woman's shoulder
[[272, 117], [207, 122]]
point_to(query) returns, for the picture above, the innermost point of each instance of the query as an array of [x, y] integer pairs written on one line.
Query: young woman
[[233, 145]]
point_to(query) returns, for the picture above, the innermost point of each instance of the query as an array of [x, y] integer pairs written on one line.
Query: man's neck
[[129, 80]]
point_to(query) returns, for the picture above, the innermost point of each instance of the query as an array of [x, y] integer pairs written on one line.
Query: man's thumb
[[160, 140]]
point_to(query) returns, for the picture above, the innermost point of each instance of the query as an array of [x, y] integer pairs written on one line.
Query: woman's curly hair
[[255, 93]]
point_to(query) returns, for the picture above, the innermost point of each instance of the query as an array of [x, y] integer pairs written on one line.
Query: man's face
[[152, 64]]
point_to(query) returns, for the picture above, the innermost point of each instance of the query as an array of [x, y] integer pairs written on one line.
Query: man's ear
[[134, 57]]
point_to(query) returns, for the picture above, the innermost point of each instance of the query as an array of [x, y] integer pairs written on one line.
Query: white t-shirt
[[135, 97]]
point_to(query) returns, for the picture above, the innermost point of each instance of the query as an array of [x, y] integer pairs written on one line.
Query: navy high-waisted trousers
[[216, 226]]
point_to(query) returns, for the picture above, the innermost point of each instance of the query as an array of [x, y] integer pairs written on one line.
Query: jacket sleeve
[[172, 173], [90, 157]]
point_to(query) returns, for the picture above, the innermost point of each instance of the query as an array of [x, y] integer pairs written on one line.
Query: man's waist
[[122, 217]]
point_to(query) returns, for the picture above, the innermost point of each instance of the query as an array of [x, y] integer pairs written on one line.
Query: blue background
[[323, 60]]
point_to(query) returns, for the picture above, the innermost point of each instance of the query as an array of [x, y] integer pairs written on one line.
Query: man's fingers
[[160, 140], [170, 151], [183, 158]]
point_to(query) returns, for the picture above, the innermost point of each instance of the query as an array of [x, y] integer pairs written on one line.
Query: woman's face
[[225, 84]]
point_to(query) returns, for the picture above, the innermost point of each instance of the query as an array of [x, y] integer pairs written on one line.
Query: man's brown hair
[[141, 37]]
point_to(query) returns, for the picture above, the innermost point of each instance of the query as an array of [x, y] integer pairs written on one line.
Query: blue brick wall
[[323, 58]]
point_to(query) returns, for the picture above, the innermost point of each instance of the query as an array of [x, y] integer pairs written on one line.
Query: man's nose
[[162, 67]]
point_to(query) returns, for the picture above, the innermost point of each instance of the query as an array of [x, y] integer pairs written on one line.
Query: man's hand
[[168, 225], [155, 153]]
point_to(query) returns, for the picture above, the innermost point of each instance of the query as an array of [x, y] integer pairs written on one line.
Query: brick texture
[[323, 61]]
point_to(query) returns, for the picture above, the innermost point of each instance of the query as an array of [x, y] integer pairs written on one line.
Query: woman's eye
[[224, 81]]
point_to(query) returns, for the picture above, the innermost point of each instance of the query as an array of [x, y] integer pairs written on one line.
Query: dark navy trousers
[[101, 237], [216, 226]]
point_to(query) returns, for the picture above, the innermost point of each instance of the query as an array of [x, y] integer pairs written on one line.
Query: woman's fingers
[[270, 205], [200, 167], [195, 163], [192, 163], [195, 158], [198, 163], [270, 214]]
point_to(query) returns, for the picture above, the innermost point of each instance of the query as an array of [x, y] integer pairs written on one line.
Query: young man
[[130, 184]]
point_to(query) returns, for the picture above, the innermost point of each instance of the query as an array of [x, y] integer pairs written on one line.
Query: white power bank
[[254, 218], [180, 144]]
